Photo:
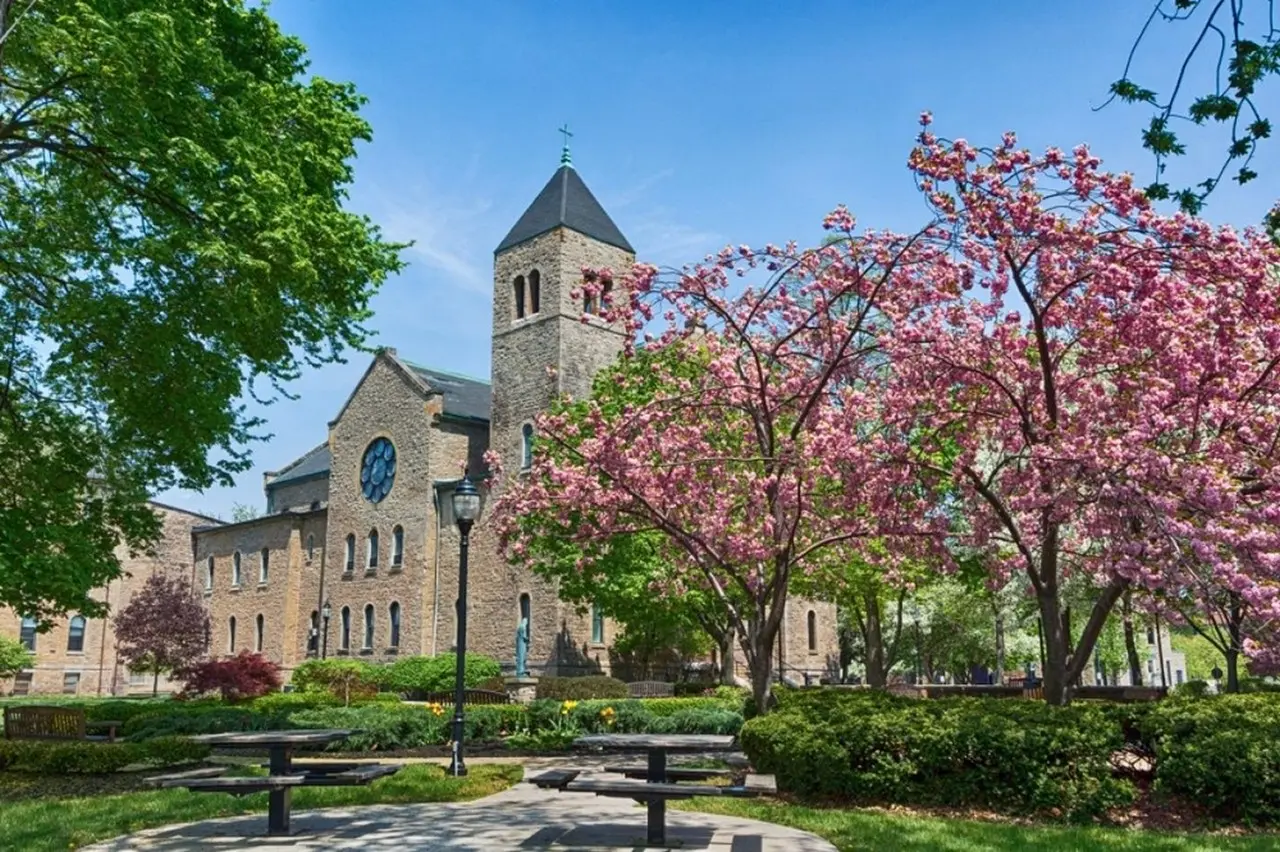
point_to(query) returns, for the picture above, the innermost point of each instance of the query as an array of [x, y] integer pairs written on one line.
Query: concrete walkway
[[523, 817]]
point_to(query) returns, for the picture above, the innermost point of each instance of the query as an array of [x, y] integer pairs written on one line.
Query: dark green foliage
[[395, 728], [580, 688], [202, 720], [61, 758], [698, 721], [346, 680], [415, 676], [1019, 756], [1222, 752]]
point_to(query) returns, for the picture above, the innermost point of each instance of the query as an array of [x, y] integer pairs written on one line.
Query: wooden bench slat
[[641, 791], [674, 773], [322, 767], [239, 786], [554, 778], [190, 774], [369, 772]]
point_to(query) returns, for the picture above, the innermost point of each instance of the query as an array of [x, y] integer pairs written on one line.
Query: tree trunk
[[1233, 670], [1130, 642], [155, 683], [760, 661], [1056, 649], [873, 642], [727, 674], [999, 649]]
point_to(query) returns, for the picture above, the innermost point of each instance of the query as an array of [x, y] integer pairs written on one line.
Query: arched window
[[526, 608], [597, 624], [394, 612], [208, 574], [235, 568], [344, 639], [368, 626], [811, 622], [535, 291], [517, 287], [27, 633], [371, 560], [264, 567], [313, 635], [231, 635], [75, 633], [259, 628], [311, 547], [526, 446], [397, 547], [606, 296], [351, 553]]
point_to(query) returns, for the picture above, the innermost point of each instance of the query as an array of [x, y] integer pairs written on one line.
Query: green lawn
[[65, 818], [871, 831]]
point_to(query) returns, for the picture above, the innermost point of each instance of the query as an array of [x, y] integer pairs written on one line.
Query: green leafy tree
[[14, 657], [1238, 43], [172, 237], [241, 512]]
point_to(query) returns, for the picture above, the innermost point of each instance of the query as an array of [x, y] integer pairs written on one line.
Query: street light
[[325, 612], [466, 511], [1217, 679]]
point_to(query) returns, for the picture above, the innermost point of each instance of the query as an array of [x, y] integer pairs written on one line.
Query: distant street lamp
[[466, 511], [325, 612], [1217, 679]]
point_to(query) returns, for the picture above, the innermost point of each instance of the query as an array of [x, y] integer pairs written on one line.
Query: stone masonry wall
[[96, 666], [388, 403], [298, 495]]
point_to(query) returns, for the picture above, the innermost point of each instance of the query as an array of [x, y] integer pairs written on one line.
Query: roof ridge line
[[415, 365]]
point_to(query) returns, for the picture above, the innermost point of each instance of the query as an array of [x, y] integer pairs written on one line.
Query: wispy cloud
[[442, 231], [635, 193], [660, 239]]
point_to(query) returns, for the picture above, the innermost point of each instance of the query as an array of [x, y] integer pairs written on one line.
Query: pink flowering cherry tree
[[1109, 376], [765, 461]]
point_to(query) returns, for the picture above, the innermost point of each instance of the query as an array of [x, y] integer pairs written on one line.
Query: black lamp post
[[325, 612], [466, 510], [1217, 679]]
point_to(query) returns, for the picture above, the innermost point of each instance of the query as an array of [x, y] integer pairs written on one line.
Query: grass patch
[[871, 831], [66, 818]]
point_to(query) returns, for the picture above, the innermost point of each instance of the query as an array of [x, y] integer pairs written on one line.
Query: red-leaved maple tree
[[163, 628]]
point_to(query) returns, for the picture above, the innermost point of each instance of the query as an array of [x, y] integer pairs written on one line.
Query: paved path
[[522, 817]]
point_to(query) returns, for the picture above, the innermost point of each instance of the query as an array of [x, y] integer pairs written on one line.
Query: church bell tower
[[541, 345]]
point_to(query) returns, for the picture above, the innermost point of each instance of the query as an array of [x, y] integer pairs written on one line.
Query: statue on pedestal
[[522, 648]]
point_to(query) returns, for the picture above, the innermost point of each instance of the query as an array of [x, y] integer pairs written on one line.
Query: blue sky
[[695, 124]]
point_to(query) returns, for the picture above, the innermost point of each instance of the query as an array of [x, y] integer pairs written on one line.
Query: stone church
[[360, 526]]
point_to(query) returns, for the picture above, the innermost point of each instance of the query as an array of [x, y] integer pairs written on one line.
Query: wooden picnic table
[[657, 747], [281, 775]]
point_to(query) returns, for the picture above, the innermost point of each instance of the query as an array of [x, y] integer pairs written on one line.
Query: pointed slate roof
[[463, 396], [565, 201]]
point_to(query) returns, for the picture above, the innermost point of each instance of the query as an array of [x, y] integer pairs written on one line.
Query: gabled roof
[[314, 463], [565, 201], [463, 396]]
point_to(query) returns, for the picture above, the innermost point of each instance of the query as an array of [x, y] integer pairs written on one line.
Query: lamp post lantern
[[466, 511], [325, 612], [1217, 679]]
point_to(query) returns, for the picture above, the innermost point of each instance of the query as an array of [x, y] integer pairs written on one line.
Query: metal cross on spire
[[565, 159]]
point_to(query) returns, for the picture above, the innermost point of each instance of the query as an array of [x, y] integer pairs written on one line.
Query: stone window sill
[[397, 567], [364, 652], [347, 575], [75, 653], [392, 651], [235, 587], [373, 570], [262, 584], [343, 652]]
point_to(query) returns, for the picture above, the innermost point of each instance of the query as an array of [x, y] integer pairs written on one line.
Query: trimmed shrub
[[246, 675], [1007, 755], [416, 676], [86, 758], [380, 727], [580, 688], [698, 721], [202, 720], [1222, 751], [345, 680], [672, 706]]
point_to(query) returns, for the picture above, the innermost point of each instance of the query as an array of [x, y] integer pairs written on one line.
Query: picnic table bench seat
[[342, 773], [239, 786], [754, 785], [674, 773], [188, 775], [554, 779], [641, 791]]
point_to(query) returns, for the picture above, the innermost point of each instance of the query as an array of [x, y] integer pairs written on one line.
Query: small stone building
[[363, 522]]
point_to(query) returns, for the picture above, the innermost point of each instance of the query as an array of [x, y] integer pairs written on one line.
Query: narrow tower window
[[259, 628], [812, 624], [394, 612], [371, 563], [397, 547], [368, 626], [535, 291], [526, 446], [344, 640], [351, 553], [518, 289], [231, 635]]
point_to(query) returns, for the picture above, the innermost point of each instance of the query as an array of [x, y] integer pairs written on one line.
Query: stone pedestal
[[522, 690]]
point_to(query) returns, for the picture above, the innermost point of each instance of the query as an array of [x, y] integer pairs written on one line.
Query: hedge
[[89, 758], [580, 688], [1221, 751], [871, 747], [384, 728]]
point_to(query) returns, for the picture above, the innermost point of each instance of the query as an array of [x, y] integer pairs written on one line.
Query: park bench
[[54, 723], [473, 697], [650, 689]]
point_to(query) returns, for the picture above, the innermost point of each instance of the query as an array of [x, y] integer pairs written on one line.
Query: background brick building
[[362, 522]]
